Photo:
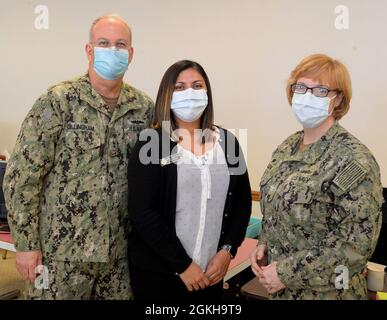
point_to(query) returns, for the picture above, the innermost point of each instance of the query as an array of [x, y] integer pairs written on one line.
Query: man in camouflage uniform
[[322, 214], [66, 181]]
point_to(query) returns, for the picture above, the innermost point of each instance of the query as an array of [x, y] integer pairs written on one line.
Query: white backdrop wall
[[247, 47]]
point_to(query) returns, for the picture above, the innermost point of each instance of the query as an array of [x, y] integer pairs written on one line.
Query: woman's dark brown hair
[[164, 97]]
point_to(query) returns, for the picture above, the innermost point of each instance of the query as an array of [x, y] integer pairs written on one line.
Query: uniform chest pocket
[[298, 201], [81, 156], [82, 141], [301, 194]]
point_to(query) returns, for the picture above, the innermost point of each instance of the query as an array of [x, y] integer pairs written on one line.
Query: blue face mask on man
[[110, 63]]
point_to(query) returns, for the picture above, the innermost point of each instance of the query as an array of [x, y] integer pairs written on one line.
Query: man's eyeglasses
[[103, 43], [318, 91]]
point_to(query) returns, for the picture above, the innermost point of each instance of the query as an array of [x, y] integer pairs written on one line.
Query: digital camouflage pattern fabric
[[66, 181], [322, 211], [70, 280]]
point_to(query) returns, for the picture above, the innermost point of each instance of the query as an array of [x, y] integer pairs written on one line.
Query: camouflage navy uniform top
[[66, 181], [322, 210]]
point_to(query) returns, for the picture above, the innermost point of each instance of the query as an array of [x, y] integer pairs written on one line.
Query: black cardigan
[[153, 243]]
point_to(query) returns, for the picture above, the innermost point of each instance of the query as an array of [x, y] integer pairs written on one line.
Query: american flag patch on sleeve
[[349, 175]]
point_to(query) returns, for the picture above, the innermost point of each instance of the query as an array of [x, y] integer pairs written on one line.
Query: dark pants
[[149, 286]]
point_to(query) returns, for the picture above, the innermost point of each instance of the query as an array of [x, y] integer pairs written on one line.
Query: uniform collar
[[313, 152], [126, 100]]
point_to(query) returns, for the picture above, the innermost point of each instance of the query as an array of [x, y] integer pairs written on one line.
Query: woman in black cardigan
[[189, 194]]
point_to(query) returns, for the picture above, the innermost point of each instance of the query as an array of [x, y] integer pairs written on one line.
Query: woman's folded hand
[[194, 278]]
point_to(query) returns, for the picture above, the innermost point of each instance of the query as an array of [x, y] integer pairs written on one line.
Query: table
[[252, 289], [242, 258], [6, 243], [239, 271]]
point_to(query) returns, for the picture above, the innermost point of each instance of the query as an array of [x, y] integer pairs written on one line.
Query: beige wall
[[247, 47], [8, 134]]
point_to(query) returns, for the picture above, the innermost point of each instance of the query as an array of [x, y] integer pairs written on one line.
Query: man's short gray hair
[[107, 16]]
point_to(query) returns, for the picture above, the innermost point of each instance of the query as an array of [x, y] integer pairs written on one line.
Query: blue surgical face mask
[[188, 105], [110, 63], [309, 110]]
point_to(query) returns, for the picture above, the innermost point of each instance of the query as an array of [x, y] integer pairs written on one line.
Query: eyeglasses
[[103, 43], [318, 91]]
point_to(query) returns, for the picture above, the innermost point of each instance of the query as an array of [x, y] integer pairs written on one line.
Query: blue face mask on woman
[[309, 110], [110, 63]]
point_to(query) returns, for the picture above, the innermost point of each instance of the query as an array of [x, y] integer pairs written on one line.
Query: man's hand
[[194, 278], [218, 266], [268, 277], [26, 262], [258, 258]]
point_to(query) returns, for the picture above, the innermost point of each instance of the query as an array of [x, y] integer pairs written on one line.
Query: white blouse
[[202, 185]]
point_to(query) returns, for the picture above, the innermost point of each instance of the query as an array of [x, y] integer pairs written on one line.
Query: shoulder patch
[[349, 175]]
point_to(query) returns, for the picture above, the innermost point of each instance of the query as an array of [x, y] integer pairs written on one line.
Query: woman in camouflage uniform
[[321, 195]]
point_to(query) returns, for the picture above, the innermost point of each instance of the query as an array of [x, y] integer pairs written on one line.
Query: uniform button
[[230, 193], [222, 232], [226, 215]]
